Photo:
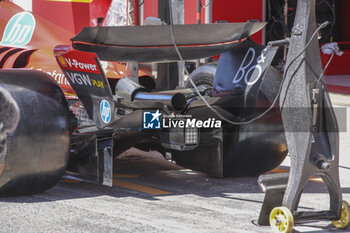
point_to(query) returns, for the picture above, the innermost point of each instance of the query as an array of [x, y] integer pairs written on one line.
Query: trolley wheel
[[281, 220], [343, 222]]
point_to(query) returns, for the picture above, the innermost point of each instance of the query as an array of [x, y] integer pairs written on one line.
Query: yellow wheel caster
[[344, 220], [281, 220]]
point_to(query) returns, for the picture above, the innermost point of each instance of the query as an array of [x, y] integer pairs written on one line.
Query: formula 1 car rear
[[226, 132]]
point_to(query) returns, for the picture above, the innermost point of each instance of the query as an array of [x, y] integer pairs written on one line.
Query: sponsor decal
[[19, 30], [73, 60], [84, 79], [157, 120], [97, 83], [62, 61], [250, 67], [105, 111], [57, 76], [73, 63], [151, 120], [81, 68]]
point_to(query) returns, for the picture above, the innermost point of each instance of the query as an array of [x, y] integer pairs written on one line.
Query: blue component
[[105, 110]]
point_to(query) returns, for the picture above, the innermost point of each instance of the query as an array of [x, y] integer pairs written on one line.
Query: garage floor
[[151, 194]]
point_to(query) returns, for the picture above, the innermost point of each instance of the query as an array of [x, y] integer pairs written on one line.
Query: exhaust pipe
[[178, 101], [130, 90]]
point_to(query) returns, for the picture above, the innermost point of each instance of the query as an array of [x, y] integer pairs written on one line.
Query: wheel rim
[[343, 222], [281, 220]]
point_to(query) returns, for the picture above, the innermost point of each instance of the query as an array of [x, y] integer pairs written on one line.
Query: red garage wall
[[231, 11], [150, 8], [71, 15], [240, 11]]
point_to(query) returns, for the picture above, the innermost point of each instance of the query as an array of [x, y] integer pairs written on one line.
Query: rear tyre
[[37, 150], [203, 75], [247, 150]]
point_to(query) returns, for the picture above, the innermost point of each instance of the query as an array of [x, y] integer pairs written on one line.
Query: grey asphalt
[[154, 195]]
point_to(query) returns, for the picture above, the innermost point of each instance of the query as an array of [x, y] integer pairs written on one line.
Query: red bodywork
[[38, 53]]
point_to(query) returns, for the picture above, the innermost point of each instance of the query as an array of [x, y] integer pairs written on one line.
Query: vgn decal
[[19, 30], [105, 111]]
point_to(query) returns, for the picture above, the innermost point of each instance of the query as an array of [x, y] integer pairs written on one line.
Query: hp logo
[[105, 111], [19, 30]]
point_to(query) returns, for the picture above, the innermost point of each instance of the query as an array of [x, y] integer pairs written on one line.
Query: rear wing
[[85, 75], [154, 43], [80, 62]]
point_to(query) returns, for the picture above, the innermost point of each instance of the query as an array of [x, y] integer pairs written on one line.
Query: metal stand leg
[[311, 130]]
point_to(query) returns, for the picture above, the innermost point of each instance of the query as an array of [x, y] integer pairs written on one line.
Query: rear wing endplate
[[85, 75]]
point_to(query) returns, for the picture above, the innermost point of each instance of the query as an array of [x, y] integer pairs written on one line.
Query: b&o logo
[[247, 70], [19, 30], [105, 111], [151, 120]]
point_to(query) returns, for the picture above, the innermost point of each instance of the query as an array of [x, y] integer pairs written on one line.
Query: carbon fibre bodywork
[[245, 85], [193, 41]]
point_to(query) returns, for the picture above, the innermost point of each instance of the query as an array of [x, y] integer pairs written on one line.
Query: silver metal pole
[[286, 23], [208, 19], [178, 12], [208, 11], [141, 12]]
